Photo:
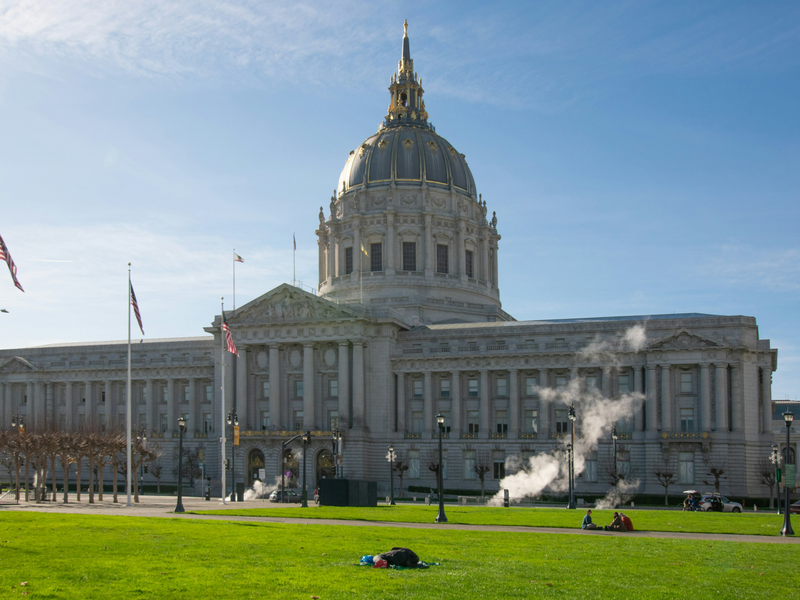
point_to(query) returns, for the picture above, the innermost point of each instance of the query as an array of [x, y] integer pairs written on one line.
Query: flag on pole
[[135, 306], [294, 241], [237, 258], [6, 256], [364, 250], [231, 347]]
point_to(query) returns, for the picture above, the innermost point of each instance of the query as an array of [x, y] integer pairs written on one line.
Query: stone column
[[49, 409], [486, 417], [544, 408], [705, 398], [637, 387], [30, 408], [241, 390], [430, 265], [148, 405], [39, 391], [427, 391], [721, 396], [607, 382], [389, 258], [455, 406], [766, 398], [69, 407], [356, 249], [344, 386], [194, 423], [275, 416], [513, 403], [330, 256], [461, 250], [650, 399], [358, 384], [308, 387], [737, 408], [171, 425], [401, 402], [666, 398], [484, 250], [111, 417]]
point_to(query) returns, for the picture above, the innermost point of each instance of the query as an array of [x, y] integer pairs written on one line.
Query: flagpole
[[222, 401], [234, 279], [128, 400], [294, 255]]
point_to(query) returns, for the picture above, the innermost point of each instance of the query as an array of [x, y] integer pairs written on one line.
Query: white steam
[[596, 416], [261, 490], [618, 495]]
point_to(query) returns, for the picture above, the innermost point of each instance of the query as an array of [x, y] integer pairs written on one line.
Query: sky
[[643, 157]]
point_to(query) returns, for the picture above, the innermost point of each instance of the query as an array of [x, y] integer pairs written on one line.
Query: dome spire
[[407, 106]]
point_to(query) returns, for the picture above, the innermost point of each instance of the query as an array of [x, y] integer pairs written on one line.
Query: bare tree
[[68, 453], [766, 474], [400, 467], [483, 466], [610, 469], [716, 469], [666, 474], [158, 471], [190, 466]]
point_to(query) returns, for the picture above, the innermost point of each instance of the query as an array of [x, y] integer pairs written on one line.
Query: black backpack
[[401, 557]]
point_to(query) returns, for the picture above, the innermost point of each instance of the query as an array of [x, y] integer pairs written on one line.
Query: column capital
[[513, 371], [704, 365], [651, 367], [666, 366], [720, 365]]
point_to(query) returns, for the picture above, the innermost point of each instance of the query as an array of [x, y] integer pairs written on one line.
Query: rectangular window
[[102, 398], [333, 388], [208, 424], [265, 389], [502, 387], [472, 386], [473, 421], [446, 415], [531, 421], [417, 388], [442, 258], [416, 421], [186, 393], [444, 388], [686, 467], [469, 465], [144, 394], [686, 383], [209, 393], [297, 418], [298, 388], [591, 383], [265, 424], [348, 261], [590, 470], [501, 421], [687, 420], [162, 422], [530, 386], [561, 421], [468, 264], [499, 467], [413, 464], [376, 257], [164, 394], [409, 256], [333, 420], [561, 382], [624, 383]]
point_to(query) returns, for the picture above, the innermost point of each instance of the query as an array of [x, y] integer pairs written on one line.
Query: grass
[[645, 520], [72, 556]]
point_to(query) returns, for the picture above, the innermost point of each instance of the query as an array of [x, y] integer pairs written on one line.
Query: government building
[[406, 324]]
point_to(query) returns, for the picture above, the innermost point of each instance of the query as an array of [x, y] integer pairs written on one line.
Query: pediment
[[683, 340], [289, 304], [16, 364]]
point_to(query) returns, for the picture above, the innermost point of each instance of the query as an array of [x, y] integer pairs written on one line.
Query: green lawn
[[77, 556], [649, 520]]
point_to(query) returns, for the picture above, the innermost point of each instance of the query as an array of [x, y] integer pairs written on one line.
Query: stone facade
[[408, 323]]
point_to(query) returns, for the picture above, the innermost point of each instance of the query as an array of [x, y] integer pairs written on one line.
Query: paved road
[[162, 506]]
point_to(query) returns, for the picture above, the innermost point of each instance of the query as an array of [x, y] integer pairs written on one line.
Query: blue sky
[[642, 157]]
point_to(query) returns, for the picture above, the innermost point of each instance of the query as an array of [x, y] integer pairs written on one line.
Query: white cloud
[[774, 269]]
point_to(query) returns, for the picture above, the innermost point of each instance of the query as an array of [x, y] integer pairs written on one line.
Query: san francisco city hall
[[407, 323]]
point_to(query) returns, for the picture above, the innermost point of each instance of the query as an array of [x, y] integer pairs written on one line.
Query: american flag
[[6, 256], [135, 306], [228, 337]]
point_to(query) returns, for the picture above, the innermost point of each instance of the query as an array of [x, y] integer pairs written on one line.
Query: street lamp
[[440, 518], [143, 437], [233, 419], [787, 523], [182, 428], [17, 422], [304, 497], [391, 474], [615, 437], [571, 448], [775, 459]]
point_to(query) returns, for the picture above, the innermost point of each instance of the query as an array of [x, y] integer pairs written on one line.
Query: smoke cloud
[[596, 416], [261, 490]]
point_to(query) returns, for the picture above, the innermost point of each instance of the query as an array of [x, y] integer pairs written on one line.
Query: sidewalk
[[162, 506]]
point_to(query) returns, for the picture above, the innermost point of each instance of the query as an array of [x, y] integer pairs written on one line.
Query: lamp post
[[440, 518], [787, 523], [143, 437], [571, 448], [17, 422], [775, 459], [391, 474], [182, 428], [614, 437], [233, 420], [304, 497]]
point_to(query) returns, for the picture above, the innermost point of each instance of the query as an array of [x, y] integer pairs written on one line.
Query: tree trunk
[[79, 462], [100, 468], [27, 479], [666, 495], [53, 475], [91, 479], [483, 488], [114, 466], [17, 468], [135, 483], [771, 497], [65, 471]]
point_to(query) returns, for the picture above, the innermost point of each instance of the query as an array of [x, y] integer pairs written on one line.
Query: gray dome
[[407, 155]]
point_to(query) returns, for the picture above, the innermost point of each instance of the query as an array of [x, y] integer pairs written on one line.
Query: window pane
[[561, 382], [298, 389], [468, 263], [409, 256], [531, 421], [444, 388], [686, 383], [530, 386], [333, 388], [473, 387], [376, 257], [502, 386], [442, 262], [469, 464], [265, 389], [348, 261], [417, 388], [623, 382]]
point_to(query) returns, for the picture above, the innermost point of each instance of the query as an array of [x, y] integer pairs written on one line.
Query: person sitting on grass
[[616, 524], [626, 520], [587, 521]]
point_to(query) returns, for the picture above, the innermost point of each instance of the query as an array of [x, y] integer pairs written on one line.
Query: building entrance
[[255, 462]]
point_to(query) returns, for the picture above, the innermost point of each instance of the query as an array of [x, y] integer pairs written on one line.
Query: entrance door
[[255, 461], [324, 467]]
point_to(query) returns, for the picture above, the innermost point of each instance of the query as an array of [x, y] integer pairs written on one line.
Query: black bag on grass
[[401, 557]]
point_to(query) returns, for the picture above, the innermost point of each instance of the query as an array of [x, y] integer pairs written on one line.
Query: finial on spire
[[405, 28]]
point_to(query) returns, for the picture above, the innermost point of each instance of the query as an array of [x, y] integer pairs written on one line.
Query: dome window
[[403, 99]]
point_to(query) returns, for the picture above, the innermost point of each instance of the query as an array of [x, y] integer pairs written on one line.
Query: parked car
[[290, 496], [794, 509], [717, 503]]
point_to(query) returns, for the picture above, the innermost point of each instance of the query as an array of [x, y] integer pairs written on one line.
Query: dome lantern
[[406, 106]]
